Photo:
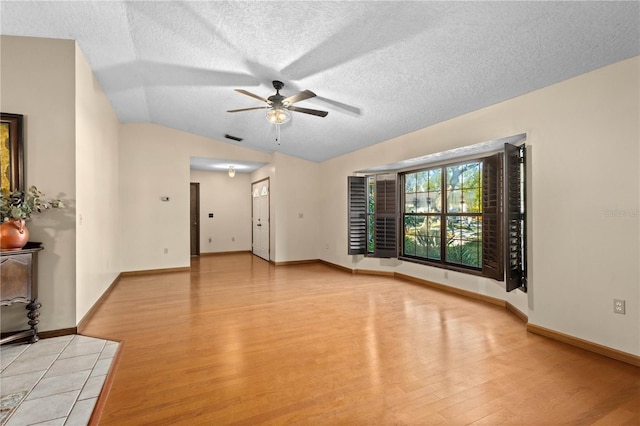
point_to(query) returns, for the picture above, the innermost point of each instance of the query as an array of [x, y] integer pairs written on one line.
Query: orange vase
[[13, 234]]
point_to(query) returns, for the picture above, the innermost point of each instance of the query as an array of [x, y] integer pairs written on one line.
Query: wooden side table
[[19, 284]]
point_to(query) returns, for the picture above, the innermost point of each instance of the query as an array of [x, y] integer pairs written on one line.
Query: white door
[[260, 195]]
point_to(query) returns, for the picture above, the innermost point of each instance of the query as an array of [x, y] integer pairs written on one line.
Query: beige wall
[[229, 199], [583, 141], [297, 208], [154, 162], [38, 81], [294, 207], [97, 206]]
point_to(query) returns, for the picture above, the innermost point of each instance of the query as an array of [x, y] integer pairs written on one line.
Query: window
[[372, 215], [442, 215], [468, 216]]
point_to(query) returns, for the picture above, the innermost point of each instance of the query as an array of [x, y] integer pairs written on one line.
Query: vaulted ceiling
[[380, 69]]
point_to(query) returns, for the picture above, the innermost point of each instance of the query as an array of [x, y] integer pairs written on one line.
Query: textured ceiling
[[381, 69]]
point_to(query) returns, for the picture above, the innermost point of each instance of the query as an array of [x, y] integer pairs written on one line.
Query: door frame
[[195, 207], [268, 216]]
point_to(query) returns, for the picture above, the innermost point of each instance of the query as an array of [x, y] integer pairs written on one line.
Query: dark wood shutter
[[515, 217], [492, 240], [385, 217], [357, 199]]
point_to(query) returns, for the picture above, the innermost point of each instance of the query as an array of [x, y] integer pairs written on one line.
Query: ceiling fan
[[279, 106]]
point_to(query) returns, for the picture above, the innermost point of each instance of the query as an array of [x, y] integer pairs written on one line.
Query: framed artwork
[[11, 152]]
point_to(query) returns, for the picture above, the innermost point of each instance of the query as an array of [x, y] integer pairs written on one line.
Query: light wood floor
[[239, 341]]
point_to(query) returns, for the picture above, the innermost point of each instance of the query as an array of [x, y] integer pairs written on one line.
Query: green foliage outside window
[[371, 206], [455, 209]]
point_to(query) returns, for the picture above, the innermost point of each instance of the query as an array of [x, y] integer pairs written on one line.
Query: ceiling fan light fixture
[[278, 115]]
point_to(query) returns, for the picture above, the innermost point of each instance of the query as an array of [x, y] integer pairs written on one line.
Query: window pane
[[428, 238], [433, 238], [371, 227], [410, 183], [422, 236], [371, 193], [471, 175], [434, 201], [453, 228], [423, 192], [410, 223], [435, 179], [472, 200], [423, 202], [454, 176], [464, 239], [410, 202], [453, 252], [410, 199], [422, 179], [371, 208], [454, 201], [411, 196], [470, 254], [464, 188]]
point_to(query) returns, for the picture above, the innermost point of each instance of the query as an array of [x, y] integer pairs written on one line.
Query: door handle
[[259, 224]]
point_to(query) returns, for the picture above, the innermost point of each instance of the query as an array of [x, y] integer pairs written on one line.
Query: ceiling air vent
[[233, 138]]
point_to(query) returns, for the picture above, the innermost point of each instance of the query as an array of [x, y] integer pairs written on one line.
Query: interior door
[[195, 219], [260, 218]]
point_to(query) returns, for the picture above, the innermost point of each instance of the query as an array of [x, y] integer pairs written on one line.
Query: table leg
[[33, 315]]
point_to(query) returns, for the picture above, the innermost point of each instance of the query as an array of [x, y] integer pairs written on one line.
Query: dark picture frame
[[11, 152]]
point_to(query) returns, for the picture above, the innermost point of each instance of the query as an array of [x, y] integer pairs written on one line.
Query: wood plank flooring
[[239, 341]]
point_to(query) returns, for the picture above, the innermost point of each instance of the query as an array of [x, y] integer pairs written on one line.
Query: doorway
[[195, 219], [260, 218]]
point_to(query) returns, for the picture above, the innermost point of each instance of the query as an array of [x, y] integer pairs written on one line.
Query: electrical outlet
[[618, 306]]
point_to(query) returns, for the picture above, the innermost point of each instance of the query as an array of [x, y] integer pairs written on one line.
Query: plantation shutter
[[385, 216], [515, 217], [357, 199], [492, 240]]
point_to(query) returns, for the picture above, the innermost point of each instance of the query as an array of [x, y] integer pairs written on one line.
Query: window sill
[[470, 271]]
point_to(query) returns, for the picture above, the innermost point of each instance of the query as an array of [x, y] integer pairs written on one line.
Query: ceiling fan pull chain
[[278, 134]]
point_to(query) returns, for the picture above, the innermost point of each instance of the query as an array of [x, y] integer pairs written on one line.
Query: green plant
[[22, 204]]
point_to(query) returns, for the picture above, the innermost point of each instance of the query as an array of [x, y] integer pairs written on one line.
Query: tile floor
[[54, 381]]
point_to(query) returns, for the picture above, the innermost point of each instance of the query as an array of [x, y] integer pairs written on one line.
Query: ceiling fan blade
[[298, 97], [247, 109], [308, 111], [349, 109], [244, 92]]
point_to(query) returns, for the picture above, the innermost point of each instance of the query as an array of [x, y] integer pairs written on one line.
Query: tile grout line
[[24, 398], [14, 359], [75, 401], [59, 354]]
